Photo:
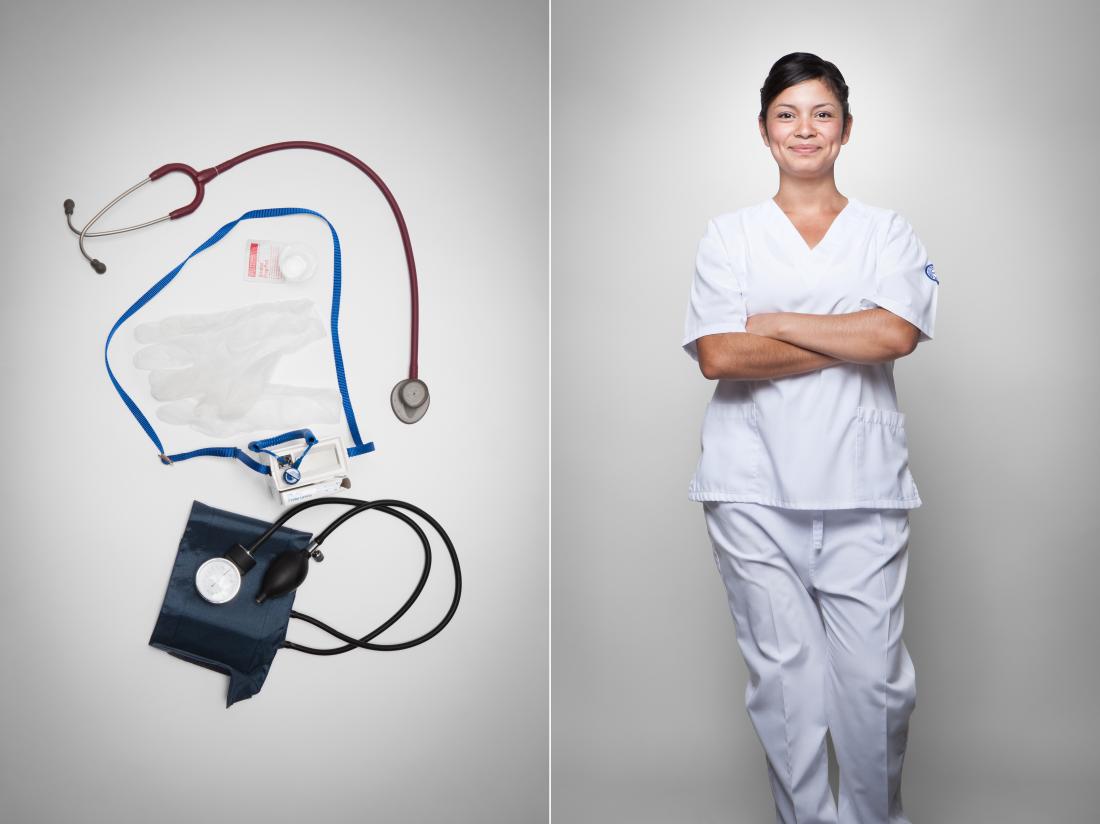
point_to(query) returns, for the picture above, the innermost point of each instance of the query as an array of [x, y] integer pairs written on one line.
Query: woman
[[799, 307]]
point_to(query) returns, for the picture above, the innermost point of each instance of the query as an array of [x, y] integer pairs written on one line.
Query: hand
[[764, 324]]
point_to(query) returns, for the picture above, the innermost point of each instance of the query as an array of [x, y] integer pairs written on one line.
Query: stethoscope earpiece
[[98, 265], [409, 400]]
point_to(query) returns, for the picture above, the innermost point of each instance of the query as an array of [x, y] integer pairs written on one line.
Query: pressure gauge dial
[[218, 580]]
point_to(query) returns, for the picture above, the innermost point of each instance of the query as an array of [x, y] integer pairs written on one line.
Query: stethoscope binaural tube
[[200, 179], [407, 404]]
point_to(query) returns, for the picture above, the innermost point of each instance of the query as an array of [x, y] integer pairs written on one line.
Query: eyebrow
[[790, 106]]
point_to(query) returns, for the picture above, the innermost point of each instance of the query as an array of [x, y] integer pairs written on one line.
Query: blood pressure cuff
[[240, 637]]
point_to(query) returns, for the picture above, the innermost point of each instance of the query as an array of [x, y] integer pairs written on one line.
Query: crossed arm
[[776, 344]]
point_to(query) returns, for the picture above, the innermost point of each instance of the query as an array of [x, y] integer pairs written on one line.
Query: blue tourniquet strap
[[218, 452], [359, 447]]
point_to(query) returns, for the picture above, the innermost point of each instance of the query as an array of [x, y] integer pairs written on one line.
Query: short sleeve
[[717, 303], [905, 280]]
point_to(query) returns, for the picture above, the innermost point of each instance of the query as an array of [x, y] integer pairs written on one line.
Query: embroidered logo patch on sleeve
[[928, 270]]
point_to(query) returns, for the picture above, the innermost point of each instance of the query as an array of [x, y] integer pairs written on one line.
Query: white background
[[448, 103]]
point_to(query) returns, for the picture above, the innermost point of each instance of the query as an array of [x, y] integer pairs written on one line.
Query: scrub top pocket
[[881, 458], [732, 453]]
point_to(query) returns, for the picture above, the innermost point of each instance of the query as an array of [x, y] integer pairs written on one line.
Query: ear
[[847, 130], [763, 130]]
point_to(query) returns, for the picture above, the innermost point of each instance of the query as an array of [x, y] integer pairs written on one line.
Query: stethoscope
[[410, 396]]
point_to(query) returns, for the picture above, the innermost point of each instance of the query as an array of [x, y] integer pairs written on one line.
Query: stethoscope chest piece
[[409, 400]]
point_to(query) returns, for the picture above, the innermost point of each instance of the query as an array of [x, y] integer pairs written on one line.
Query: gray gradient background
[[978, 122], [448, 102]]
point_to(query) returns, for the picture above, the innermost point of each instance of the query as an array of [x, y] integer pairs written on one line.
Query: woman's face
[[806, 114]]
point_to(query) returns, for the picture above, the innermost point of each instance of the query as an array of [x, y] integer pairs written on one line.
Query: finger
[[163, 356], [176, 326]]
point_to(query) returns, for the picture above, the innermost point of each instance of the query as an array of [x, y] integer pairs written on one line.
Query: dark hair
[[796, 67]]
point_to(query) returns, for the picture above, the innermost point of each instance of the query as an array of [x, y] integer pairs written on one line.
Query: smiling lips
[[807, 149]]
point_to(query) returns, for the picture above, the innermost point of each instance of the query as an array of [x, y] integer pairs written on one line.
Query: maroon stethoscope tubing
[[200, 179]]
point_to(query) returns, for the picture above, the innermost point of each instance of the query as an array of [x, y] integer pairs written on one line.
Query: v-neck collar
[[803, 245]]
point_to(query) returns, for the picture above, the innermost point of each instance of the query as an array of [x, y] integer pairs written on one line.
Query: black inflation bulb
[[69, 206], [285, 574], [99, 267]]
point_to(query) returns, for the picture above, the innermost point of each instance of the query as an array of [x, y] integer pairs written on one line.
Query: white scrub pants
[[816, 600]]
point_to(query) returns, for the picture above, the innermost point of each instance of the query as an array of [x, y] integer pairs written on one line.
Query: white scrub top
[[828, 439]]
